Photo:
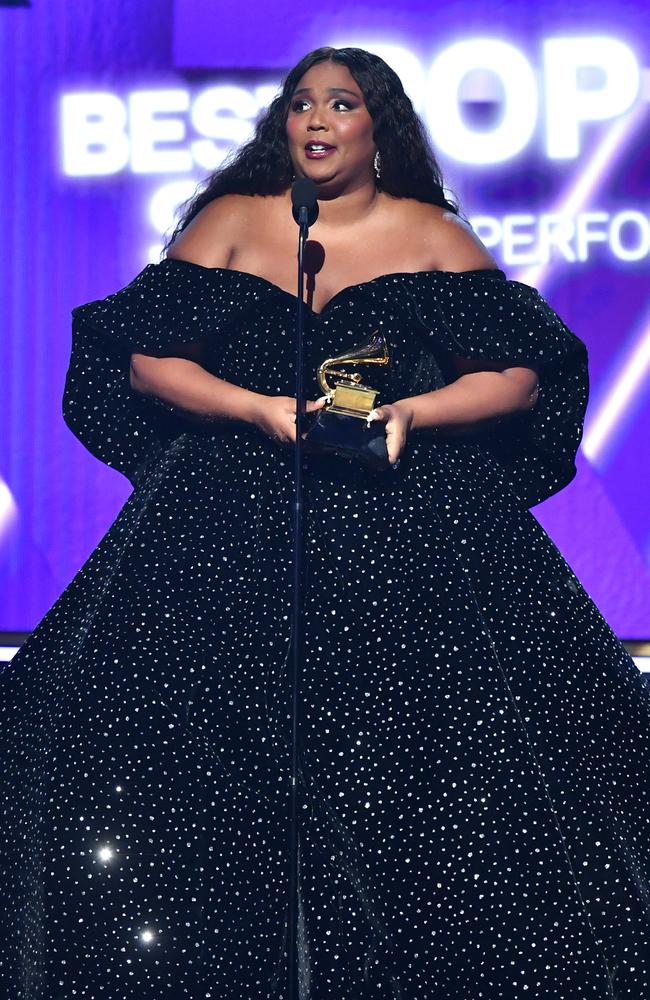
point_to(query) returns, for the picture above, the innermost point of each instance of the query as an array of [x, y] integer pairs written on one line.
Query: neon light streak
[[608, 151], [628, 382], [633, 371]]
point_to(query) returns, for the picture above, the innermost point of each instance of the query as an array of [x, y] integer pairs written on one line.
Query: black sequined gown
[[474, 803]]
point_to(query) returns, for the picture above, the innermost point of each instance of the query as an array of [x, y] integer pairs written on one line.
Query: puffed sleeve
[[483, 315], [171, 303]]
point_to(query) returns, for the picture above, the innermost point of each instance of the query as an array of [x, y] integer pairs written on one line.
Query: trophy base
[[350, 437]]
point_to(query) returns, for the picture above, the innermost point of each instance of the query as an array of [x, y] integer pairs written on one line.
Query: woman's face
[[327, 107]]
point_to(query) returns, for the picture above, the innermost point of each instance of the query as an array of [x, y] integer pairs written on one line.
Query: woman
[[473, 781]]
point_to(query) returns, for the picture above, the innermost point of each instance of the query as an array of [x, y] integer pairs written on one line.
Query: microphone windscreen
[[304, 194]]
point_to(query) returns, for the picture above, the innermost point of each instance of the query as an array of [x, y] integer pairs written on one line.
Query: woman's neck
[[338, 210]]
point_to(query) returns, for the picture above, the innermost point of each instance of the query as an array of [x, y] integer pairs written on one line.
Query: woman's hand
[[397, 418], [276, 416]]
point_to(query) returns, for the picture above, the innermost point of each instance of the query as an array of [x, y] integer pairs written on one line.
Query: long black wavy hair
[[262, 165]]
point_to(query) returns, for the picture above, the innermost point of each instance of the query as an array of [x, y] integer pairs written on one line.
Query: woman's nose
[[317, 119]]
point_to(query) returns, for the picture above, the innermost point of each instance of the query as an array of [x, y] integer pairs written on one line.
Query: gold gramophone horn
[[350, 396]]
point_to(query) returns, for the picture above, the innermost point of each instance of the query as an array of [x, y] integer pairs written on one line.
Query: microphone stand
[[297, 620]]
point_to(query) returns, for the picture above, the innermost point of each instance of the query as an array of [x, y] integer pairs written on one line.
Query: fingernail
[[373, 415]]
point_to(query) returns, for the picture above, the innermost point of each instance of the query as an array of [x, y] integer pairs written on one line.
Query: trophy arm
[[373, 352], [321, 375]]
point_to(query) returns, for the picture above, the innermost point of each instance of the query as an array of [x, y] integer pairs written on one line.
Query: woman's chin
[[327, 182]]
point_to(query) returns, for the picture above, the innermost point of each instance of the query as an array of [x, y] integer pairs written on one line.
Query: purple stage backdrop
[[110, 112]]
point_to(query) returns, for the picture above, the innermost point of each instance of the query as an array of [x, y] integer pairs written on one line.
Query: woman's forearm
[[473, 402], [187, 385]]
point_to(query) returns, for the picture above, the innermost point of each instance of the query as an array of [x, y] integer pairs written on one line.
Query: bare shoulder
[[448, 242], [213, 234]]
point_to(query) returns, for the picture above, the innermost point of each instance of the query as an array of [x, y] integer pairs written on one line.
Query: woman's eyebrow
[[331, 90]]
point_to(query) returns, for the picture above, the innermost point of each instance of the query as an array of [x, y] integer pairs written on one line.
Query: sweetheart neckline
[[341, 291]]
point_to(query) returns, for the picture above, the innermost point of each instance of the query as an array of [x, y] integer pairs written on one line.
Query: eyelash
[[294, 106]]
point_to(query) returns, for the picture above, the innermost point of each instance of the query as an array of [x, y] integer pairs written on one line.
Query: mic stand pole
[[297, 625]]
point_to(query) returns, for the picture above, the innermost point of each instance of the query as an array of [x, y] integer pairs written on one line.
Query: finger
[[316, 404], [378, 414], [394, 453], [395, 440]]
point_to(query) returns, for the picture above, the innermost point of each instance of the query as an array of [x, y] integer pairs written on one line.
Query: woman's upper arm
[[209, 241], [458, 248]]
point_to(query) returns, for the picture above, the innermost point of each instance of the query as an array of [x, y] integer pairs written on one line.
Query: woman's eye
[[296, 105]]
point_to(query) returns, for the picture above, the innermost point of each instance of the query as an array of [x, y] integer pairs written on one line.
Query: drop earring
[[377, 165]]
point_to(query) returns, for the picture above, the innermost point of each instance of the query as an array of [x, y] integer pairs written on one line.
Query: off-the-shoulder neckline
[[342, 291]]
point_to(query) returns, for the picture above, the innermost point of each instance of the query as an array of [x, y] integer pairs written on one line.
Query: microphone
[[305, 211], [304, 201]]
